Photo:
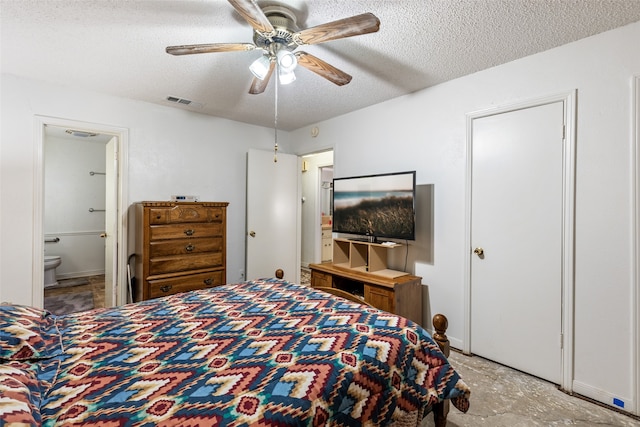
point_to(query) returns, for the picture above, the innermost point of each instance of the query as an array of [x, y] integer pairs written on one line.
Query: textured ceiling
[[118, 47]]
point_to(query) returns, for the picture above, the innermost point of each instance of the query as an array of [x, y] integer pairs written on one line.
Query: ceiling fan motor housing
[[284, 24]]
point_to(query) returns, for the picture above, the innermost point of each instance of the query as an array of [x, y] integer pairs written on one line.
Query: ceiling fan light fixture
[[260, 67], [287, 61], [80, 133], [285, 77]]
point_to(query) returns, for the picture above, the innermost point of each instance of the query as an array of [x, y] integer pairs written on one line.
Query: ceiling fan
[[275, 32]]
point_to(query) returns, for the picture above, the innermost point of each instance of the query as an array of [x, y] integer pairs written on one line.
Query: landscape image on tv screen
[[375, 205]]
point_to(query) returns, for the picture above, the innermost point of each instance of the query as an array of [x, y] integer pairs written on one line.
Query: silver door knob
[[478, 251], [103, 235], [252, 233]]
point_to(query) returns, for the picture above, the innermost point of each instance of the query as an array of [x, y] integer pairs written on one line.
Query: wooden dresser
[[180, 247]]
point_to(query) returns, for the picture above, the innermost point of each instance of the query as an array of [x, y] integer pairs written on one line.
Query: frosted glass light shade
[[260, 67], [286, 77], [286, 60]]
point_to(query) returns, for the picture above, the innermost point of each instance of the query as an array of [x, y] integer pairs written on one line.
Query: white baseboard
[[455, 342], [76, 274], [621, 403]]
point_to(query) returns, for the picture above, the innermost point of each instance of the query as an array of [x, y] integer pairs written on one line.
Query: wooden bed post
[[440, 324], [279, 273]]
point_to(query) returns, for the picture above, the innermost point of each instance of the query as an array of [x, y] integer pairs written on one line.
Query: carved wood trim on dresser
[[180, 247]]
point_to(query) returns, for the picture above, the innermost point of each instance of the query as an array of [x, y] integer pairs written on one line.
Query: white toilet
[[50, 264]]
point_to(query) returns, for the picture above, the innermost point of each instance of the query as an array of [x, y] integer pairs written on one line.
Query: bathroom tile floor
[[96, 285]]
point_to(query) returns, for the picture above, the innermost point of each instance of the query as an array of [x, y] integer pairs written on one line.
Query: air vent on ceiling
[[80, 133], [178, 100], [183, 101]]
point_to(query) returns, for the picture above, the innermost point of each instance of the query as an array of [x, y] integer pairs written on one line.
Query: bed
[[260, 353]]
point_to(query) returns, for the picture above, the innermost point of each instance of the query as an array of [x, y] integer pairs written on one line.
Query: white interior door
[[111, 221], [273, 215], [516, 230]]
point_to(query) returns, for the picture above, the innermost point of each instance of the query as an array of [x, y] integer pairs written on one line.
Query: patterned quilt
[[260, 353]]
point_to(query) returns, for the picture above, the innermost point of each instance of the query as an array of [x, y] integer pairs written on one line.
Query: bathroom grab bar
[[52, 240], [97, 173], [96, 210]]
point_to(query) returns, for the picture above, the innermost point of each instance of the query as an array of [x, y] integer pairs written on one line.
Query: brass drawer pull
[[165, 288], [189, 232], [208, 282], [189, 248]]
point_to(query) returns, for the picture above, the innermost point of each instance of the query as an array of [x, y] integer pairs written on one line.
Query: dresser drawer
[[181, 214], [163, 287], [380, 297], [180, 231], [177, 263], [185, 246], [321, 279]]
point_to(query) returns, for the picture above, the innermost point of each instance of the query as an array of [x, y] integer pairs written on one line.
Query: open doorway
[[79, 224], [75, 213], [317, 179]]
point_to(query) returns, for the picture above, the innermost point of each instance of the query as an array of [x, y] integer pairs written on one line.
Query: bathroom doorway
[[317, 180], [80, 203]]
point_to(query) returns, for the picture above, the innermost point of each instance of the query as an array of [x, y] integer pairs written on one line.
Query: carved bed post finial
[[279, 273], [440, 324]]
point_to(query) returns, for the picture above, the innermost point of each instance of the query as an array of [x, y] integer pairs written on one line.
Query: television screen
[[375, 205]]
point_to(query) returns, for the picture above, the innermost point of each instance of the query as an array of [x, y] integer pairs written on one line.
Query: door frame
[[317, 231], [568, 222], [635, 226], [317, 214], [120, 288]]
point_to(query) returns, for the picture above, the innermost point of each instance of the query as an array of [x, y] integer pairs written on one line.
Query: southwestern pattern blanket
[[260, 353]]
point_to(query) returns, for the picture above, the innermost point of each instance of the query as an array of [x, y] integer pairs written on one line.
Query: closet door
[[516, 238]]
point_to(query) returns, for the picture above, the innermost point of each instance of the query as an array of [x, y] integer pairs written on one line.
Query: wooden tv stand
[[400, 295]]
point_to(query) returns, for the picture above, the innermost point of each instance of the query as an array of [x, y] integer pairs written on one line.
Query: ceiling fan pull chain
[[275, 119]]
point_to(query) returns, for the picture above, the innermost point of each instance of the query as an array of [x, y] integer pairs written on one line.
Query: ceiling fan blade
[[323, 68], [258, 86], [252, 13], [209, 48], [347, 27]]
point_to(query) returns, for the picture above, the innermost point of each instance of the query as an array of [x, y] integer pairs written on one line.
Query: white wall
[[170, 151], [69, 192], [425, 131]]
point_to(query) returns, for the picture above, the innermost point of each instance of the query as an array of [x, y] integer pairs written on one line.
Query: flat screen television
[[375, 206]]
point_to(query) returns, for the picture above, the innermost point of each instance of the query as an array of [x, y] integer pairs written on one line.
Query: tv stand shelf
[[364, 257], [401, 295]]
